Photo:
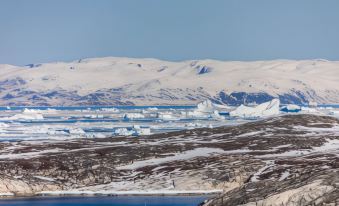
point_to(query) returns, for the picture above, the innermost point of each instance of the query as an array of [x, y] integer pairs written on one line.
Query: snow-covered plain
[[121, 81]]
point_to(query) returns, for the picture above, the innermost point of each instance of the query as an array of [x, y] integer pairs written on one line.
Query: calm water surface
[[107, 201]]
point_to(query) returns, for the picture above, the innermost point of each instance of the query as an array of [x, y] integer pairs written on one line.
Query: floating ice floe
[[262, 110]]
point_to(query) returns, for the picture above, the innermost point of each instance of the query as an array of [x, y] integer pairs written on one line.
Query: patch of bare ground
[[286, 160]]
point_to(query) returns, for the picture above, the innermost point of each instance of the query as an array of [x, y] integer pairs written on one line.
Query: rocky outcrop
[[286, 160]]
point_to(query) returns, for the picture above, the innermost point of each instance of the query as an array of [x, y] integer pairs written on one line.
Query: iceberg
[[23, 116], [207, 109], [167, 116], [114, 110], [291, 108], [141, 130], [266, 109], [77, 131], [136, 130], [94, 116], [133, 116], [312, 104], [152, 109], [123, 132], [216, 115], [309, 110], [39, 111], [197, 114]]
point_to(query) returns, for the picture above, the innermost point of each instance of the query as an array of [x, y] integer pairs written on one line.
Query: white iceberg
[[133, 116], [39, 111], [23, 116], [309, 110], [152, 109], [291, 108], [123, 132], [312, 104], [136, 130], [206, 106], [197, 114], [77, 131], [207, 109], [266, 109], [167, 116], [94, 116], [216, 115], [43, 129], [114, 110]]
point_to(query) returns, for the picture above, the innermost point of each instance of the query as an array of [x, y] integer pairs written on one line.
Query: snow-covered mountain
[[128, 81]]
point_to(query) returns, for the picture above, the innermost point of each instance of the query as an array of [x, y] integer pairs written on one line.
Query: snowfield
[[129, 81]]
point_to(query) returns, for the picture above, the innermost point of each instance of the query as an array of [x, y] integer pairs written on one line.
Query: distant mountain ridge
[[131, 81]]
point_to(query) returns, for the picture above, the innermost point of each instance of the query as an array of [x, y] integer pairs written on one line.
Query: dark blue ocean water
[[107, 201]]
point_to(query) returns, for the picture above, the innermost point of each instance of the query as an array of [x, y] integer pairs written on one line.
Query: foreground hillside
[[127, 81], [287, 160]]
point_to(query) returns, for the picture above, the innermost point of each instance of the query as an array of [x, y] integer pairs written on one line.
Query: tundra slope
[[128, 81], [286, 160]]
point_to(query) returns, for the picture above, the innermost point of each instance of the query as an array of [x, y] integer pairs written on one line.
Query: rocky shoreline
[[289, 160]]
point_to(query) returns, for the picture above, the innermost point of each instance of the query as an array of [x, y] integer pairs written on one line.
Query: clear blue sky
[[35, 31]]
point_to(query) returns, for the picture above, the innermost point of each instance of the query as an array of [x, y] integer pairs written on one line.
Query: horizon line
[[164, 60]]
